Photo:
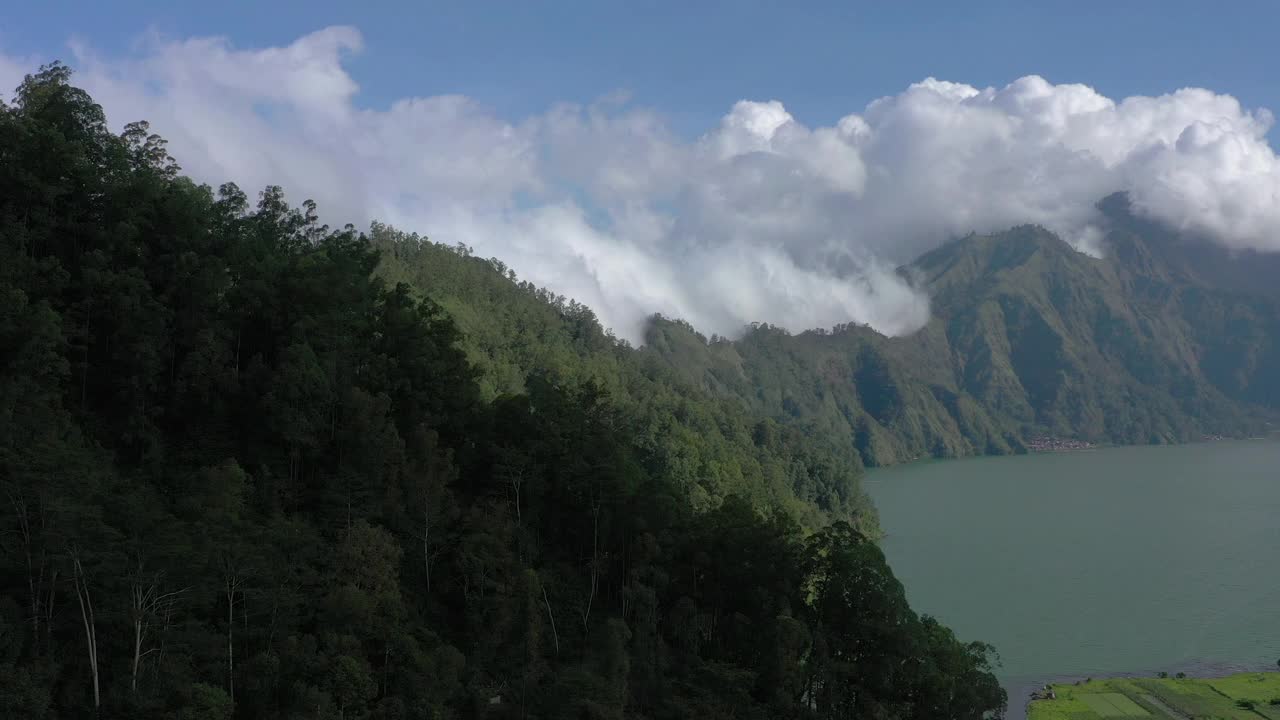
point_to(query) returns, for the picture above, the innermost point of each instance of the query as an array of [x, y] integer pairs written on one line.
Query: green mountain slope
[[705, 441], [1029, 339], [1163, 340]]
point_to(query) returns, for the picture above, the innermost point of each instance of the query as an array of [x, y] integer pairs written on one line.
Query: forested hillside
[[1163, 340], [244, 477], [1166, 339], [704, 441]]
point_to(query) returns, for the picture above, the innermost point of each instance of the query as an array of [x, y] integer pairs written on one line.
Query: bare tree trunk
[[48, 613], [517, 479], [90, 627], [275, 612], [426, 536], [146, 603], [386, 670], [24, 528], [555, 635], [595, 565], [139, 629], [231, 661], [35, 572], [164, 634], [53, 578], [233, 583], [140, 596]]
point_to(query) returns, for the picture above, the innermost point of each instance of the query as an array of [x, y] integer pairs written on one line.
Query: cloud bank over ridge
[[759, 219]]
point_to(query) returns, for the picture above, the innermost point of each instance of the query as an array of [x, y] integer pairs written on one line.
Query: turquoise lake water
[[1114, 561]]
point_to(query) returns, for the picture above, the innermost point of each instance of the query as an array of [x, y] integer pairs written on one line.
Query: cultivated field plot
[[1111, 705], [1246, 696]]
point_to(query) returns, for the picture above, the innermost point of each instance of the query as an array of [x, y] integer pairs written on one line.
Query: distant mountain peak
[[1149, 249], [1166, 338]]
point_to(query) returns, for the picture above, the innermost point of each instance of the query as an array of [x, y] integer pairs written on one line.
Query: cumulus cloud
[[761, 218]]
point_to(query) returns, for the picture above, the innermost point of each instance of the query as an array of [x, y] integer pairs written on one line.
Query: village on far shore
[[1050, 444]]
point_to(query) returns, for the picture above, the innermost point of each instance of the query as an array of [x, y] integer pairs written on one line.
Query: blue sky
[[775, 161], [691, 60]]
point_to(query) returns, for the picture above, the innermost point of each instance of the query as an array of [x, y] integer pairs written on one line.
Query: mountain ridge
[[1028, 338], [1166, 338]]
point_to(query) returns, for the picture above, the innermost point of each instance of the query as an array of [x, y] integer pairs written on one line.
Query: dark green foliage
[[244, 478]]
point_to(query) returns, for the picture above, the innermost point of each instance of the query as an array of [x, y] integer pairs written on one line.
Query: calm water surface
[[1116, 561]]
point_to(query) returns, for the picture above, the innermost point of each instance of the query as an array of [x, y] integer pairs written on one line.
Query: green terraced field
[[1164, 699], [1111, 705]]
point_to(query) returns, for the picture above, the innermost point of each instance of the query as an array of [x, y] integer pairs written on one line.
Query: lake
[[1115, 561]]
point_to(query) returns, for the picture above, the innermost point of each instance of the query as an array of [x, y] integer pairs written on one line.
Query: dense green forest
[[247, 473], [706, 442]]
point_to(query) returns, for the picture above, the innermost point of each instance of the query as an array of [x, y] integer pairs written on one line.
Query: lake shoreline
[[1021, 689], [1069, 447]]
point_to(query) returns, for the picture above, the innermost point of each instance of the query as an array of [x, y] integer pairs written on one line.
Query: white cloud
[[759, 219], [12, 71]]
